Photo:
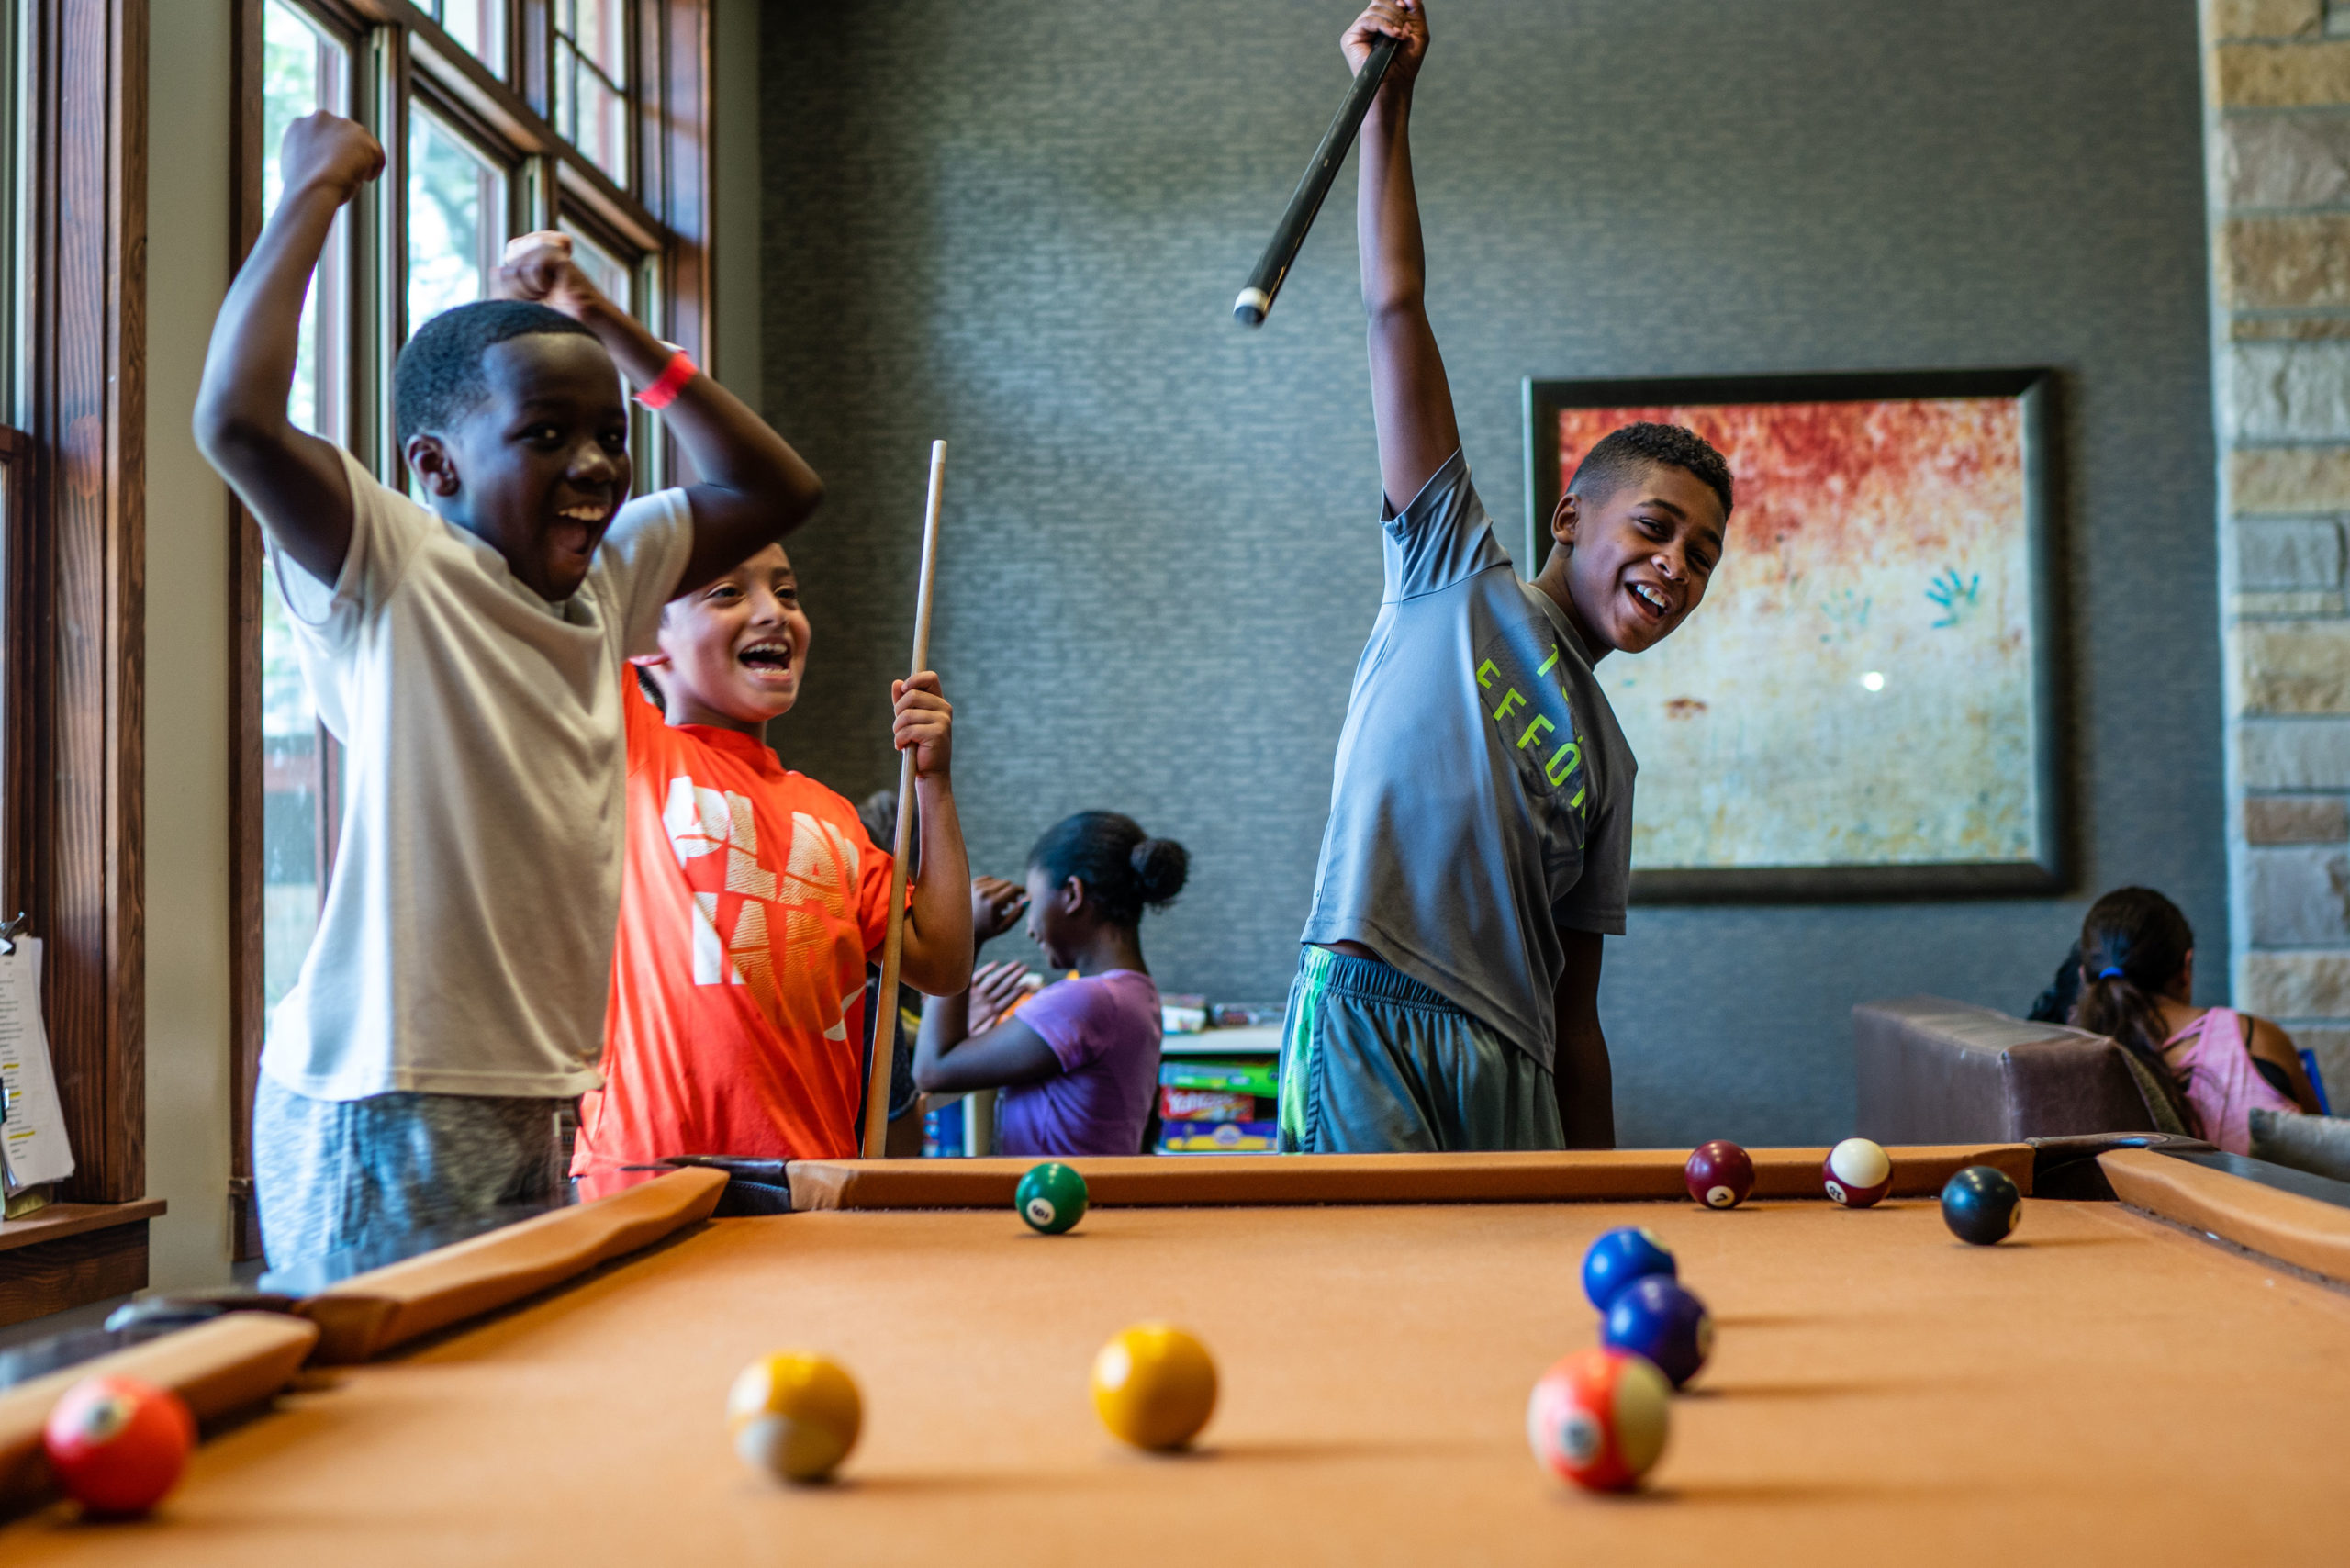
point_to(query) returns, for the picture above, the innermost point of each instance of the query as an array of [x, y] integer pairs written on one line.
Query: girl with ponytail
[[2213, 1065], [1078, 1062]]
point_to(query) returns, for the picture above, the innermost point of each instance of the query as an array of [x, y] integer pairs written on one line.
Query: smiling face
[[731, 653], [1636, 559], [539, 466]]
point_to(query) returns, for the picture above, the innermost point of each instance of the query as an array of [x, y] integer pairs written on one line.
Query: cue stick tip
[[1250, 308]]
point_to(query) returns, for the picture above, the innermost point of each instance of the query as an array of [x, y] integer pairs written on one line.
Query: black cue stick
[[1256, 301]]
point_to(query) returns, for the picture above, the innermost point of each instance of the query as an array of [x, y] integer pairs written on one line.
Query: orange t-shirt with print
[[750, 898]]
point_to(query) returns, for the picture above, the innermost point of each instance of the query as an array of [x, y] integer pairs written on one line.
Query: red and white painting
[[1857, 688]]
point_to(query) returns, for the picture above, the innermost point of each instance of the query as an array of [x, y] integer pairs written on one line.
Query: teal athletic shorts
[[1375, 1062]]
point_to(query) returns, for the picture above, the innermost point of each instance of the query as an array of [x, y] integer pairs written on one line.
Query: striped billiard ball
[[1857, 1173]]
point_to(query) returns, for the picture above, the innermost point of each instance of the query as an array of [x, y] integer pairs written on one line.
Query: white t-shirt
[[466, 943]]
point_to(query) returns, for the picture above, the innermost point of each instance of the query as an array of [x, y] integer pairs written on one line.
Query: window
[[497, 117], [479, 25], [303, 69], [592, 81], [456, 219]]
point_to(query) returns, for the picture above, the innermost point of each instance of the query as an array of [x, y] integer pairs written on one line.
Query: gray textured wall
[[1021, 227]]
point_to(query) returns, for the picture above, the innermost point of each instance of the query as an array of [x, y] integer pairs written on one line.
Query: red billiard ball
[[117, 1445], [1599, 1417], [1857, 1173], [1719, 1174]]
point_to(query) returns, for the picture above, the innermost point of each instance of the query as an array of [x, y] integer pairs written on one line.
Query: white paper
[[33, 1148]]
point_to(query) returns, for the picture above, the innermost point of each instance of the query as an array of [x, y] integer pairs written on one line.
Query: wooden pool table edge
[[1148, 1181], [371, 1313], [2302, 1231]]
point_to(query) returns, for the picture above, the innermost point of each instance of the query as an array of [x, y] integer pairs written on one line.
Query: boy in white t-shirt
[[469, 658]]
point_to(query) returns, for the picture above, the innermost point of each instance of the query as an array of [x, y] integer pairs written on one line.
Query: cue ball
[[1981, 1204], [1857, 1173], [1599, 1418], [794, 1414], [1719, 1174], [117, 1445], [1051, 1198], [1154, 1386], [1661, 1319], [1618, 1258]]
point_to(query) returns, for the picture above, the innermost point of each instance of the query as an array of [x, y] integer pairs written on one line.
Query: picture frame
[[1876, 714]]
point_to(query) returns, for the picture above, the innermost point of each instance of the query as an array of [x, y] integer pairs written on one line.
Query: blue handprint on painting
[[1955, 594]]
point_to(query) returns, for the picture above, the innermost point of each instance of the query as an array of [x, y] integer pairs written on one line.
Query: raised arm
[[950, 1059], [1586, 1081], [1410, 399], [754, 489], [292, 480]]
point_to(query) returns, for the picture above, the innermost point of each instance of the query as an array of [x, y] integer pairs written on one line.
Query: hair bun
[[1160, 866]]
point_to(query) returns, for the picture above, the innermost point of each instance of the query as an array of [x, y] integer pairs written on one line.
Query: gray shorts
[[1375, 1062], [341, 1176]]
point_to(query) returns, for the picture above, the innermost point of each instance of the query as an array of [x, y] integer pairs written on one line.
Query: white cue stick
[[885, 998]]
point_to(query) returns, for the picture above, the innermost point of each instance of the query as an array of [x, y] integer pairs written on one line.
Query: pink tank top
[[2220, 1081]]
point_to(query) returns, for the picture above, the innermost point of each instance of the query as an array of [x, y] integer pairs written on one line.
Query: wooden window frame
[[401, 55], [74, 630]]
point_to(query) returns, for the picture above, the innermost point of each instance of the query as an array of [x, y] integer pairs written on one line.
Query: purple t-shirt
[[1104, 1032]]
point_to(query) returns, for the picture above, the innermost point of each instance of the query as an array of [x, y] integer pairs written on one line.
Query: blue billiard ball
[[1618, 1258], [1658, 1318]]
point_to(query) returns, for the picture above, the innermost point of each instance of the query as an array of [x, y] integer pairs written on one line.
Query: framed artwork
[[1863, 706]]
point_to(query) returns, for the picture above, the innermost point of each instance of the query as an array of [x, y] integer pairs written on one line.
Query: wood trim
[[80, 837], [248, 1007], [74, 1271], [61, 1220]]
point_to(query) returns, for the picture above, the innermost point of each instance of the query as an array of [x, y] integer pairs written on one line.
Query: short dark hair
[[1123, 870], [438, 380], [1621, 456]]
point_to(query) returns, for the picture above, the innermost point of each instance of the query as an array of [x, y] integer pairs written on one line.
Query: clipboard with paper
[[34, 1148]]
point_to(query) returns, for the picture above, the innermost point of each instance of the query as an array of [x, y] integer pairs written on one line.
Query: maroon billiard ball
[[1857, 1173], [1719, 1174]]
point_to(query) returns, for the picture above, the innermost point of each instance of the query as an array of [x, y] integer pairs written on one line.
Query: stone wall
[[2279, 85]]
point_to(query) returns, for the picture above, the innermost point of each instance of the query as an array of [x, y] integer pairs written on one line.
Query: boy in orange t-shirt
[[753, 899]]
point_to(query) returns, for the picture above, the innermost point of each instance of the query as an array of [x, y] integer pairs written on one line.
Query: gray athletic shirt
[[1482, 798]]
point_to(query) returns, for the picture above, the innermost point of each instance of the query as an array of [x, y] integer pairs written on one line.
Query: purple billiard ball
[[1661, 1319]]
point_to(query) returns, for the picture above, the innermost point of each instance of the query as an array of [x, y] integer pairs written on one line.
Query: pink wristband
[[664, 392]]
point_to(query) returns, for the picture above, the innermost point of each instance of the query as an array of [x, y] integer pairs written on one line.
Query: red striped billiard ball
[[1719, 1174], [1599, 1417], [117, 1445], [1857, 1173]]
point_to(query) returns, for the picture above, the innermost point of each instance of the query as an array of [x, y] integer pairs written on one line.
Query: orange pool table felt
[[2104, 1386]]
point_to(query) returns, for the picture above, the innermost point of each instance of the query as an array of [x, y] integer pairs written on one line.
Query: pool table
[[2161, 1378]]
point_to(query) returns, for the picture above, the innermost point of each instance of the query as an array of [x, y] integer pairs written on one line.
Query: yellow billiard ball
[[794, 1414], [1154, 1385]]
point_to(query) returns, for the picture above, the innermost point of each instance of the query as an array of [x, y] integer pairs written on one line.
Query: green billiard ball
[[1051, 1197]]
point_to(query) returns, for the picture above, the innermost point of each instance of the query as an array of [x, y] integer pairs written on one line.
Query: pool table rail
[[1148, 1180]]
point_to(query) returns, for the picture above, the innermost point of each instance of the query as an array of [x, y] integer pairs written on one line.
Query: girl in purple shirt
[[1078, 1063]]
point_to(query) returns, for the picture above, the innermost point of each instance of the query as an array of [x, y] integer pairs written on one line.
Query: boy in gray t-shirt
[[1480, 820]]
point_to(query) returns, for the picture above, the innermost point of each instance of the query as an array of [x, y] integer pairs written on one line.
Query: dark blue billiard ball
[[1981, 1204], [1658, 1318], [1618, 1258]]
